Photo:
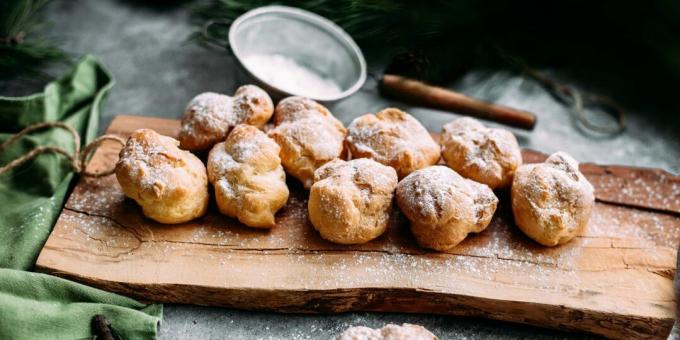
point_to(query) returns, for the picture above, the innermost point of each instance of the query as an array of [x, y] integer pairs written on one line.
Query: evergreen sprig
[[597, 41], [23, 52]]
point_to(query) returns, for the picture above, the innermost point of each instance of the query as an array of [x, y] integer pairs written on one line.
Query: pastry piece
[[390, 332], [249, 181], [485, 155], [394, 138], [350, 201], [210, 116], [444, 207], [309, 137], [551, 201], [168, 183]]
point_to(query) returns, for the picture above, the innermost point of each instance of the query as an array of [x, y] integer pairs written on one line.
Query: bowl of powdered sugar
[[289, 51]]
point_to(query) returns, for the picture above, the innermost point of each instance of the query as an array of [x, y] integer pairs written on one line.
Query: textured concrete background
[[158, 71]]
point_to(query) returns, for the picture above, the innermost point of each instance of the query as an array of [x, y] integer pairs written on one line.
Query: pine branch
[[387, 28], [23, 53], [601, 42]]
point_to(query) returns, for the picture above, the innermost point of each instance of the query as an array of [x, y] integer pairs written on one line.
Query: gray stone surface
[[158, 71]]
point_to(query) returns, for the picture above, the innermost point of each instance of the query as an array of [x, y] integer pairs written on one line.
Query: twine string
[[569, 94], [578, 101], [78, 160]]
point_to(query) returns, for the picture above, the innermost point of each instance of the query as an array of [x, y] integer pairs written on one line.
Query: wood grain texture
[[614, 280]]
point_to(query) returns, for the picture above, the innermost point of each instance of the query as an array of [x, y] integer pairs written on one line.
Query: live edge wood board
[[614, 280]]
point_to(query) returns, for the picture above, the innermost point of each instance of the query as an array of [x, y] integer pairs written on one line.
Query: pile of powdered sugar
[[288, 75]]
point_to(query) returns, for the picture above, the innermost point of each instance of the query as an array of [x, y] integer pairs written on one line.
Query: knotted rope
[[78, 160]]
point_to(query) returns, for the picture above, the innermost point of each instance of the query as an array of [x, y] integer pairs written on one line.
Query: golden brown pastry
[[485, 155], [209, 116], [249, 181], [394, 138], [350, 201], [552, 201], [309, 137], [168, 183], [444, 207], [389, 332]]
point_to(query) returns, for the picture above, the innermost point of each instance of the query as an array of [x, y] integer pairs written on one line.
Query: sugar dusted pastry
[[444, 207], [394, 138], [389, 332], [210, 116], [485, 155], [552, 201], [350, 201], [249, 181], [168, 183], [309, 137]]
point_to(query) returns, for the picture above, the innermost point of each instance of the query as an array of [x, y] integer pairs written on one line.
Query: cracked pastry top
[[393, 138], [168, 183], [210, 116], [350, 201], [309, 137], [444, 207], [249, 181], [552, 201], [485, 155]]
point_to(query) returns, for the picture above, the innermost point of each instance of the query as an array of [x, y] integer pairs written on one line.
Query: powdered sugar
[[388, 332], [245, 146], [499, 261], [315, 135], [209, 116], [286, 74], [609, 260], [350, 201], [207, 110], [220, 162], [362, 172], [556, 189], [309, 136], [150, 159], [486, 155], [244, 150], [429, 192], [393, 138]]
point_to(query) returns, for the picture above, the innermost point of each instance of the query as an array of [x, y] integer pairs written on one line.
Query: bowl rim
[[322, 23]]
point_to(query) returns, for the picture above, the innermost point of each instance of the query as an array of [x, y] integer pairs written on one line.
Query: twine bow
[[78, 160]]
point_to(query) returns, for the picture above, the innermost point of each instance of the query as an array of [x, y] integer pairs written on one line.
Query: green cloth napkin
[[40, 306], [34, 306]]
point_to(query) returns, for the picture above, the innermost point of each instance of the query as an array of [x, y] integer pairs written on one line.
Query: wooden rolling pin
[[418, 93]]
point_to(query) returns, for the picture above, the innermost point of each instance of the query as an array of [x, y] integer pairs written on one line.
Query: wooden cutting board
[[615, 279]]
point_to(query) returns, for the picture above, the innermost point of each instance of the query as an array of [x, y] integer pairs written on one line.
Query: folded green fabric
[[40, 306], [37, 306], [32, 196]]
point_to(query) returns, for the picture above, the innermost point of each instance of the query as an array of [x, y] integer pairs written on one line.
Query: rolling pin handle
[[419, 93]]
